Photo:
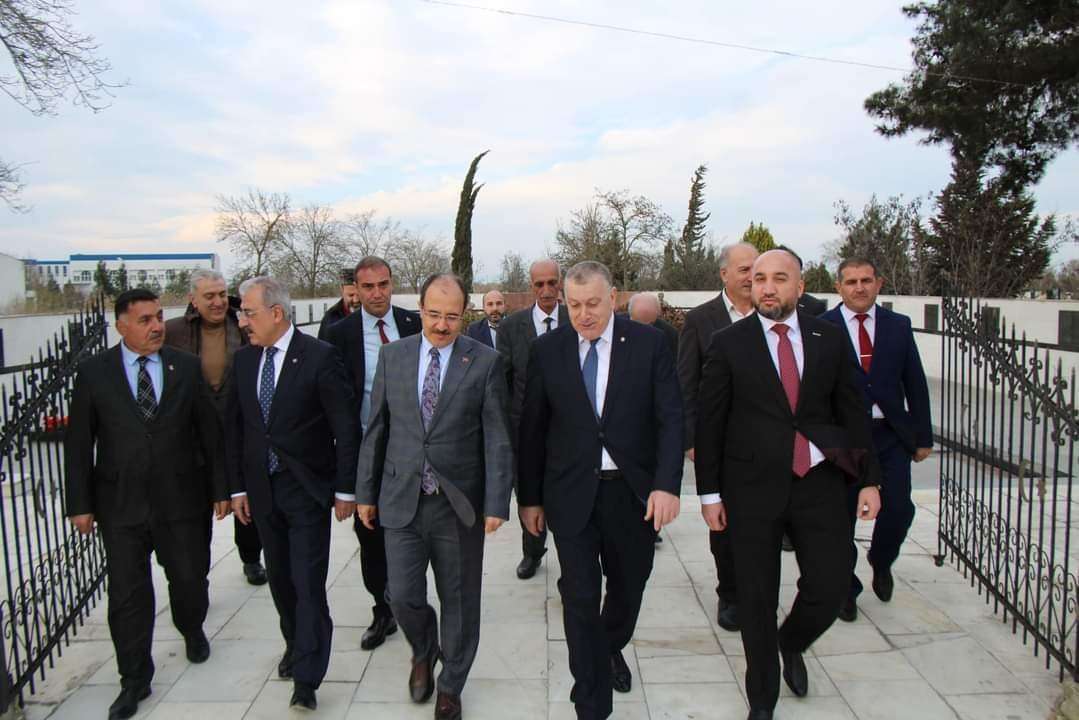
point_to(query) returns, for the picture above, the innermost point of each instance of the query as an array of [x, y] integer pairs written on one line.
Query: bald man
[[485, 329]]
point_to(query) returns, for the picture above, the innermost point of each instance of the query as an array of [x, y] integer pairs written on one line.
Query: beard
[[778, 312]]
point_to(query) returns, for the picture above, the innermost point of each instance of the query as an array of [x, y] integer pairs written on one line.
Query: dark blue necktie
[[266, 389], [590, 371]]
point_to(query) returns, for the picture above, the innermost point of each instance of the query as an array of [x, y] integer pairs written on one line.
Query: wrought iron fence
[[53, 576], [1009, 425]]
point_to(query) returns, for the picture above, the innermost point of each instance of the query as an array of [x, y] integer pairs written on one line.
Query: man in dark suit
[[436, 466], [358, 338], [732, 304], [644, 308], [292, 442], [515, 336], [210, 329], [143, 459], [600, 461], [485, 329], [807, 304], [889, 373], [780, 429], [348, 304]]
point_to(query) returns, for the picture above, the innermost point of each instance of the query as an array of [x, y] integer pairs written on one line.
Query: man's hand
[[343, 509], [662, 509], [921, 454], [490, 524], [868, 503], [692, 454], [83, 523], [367, 515], [241, 509], [532, 519], [222, 508], [715, 516]]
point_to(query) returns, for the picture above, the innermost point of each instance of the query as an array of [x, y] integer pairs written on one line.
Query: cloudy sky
[[372, 104]]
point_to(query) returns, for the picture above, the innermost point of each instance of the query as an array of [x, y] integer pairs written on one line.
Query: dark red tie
[[788, 376], [382, 331], [865, 345]]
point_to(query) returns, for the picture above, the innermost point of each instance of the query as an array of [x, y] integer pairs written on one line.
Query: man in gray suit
[[436, 469]]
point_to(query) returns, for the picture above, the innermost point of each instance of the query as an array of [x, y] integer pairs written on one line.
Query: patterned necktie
[[865, 345], [788, 376], [548, 321], [144, 392], [429, 398], [590, 371], [382, 331], [266, 390]]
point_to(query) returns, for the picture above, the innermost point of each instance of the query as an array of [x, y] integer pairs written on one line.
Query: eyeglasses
[[436, 317], [249, 313]]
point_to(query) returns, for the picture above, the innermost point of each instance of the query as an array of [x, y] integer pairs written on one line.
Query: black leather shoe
[[197, 647], [794, 672], [377, 631], [448, 707], [883, 584], [127, 703], [848, 612], [528, 566], [760, 715], [284, 668], [621, 678], [303, 697], [255, 573], [421, 681], [727, 616], [788, 546]]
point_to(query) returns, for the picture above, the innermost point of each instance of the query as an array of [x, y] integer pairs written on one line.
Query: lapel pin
[[622, 338], [171, 367], [464, 360], [815, 334], [293, 361]]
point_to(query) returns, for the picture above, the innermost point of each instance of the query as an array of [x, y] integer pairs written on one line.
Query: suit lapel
[[412, 375], [757, 355], [168, 379], [571, 359], [460, 361], [119, 373], [811, 353], [620, 350], [880, 339], [289, 370]]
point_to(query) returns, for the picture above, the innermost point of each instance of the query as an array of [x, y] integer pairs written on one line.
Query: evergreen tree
[[461, 260], [817, 278], [121, 282], [688, 262], [759, 237], [103, 280]]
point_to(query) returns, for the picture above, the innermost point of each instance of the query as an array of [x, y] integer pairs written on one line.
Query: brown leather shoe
[[421, 682], [448, 707]]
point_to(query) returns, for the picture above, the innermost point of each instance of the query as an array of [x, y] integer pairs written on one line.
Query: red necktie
[[382, 331], [865, 345], [788, 376]]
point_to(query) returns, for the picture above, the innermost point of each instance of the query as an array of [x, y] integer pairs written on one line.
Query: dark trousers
[[373, 564], [618, 544], [437, 538], [296, 542], [723, 554], [247, 541], [815, 519], [532, 545], [183, 550], [896, 507]]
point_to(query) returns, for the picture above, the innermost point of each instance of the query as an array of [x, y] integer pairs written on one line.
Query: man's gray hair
[[273, 292], [652, 296], [584, 271], [545, 261], [201, 274], [725, 252]]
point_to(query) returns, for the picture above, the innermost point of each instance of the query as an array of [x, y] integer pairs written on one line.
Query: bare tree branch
[[253, 225], [415, 257], [10, 186], [312, 250]]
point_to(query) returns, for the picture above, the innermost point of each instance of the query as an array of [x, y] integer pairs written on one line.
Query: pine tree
[[461, 262], [759, 237], [689, 267]]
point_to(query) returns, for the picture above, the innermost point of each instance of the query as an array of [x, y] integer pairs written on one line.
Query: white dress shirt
[[871, 328], [734, 312], [603, 368], [372, 343], [444, 355], [795, 334], [538, 317]]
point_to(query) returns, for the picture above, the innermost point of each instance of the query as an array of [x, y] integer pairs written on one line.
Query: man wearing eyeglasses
[[291, 444], [358, 338], [436, 469]]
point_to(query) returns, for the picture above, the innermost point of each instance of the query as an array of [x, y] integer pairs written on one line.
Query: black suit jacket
[[749, 461], [347, 337], [700, 324], [812, 305], [333, 315], [481, 332], [896, 380], [561, 439], [127, 471], [515, 335], [312, 425]]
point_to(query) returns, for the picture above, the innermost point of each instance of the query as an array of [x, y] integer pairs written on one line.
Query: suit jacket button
[[427, 444], [600, 434], [596, 471]]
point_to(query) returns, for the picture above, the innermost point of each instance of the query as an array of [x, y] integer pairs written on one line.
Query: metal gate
[[53, 576], [1009, 427]]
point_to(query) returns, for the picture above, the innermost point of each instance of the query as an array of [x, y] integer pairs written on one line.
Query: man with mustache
[[781, 431], [141, 419], [348, 304]]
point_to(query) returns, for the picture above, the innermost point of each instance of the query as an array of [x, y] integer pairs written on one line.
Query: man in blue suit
[[896, 395], [484, 329]]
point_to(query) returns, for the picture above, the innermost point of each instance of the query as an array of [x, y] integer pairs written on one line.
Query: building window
[[170, 275]]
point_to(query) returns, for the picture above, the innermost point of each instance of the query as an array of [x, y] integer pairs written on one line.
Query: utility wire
[[706, 41]]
